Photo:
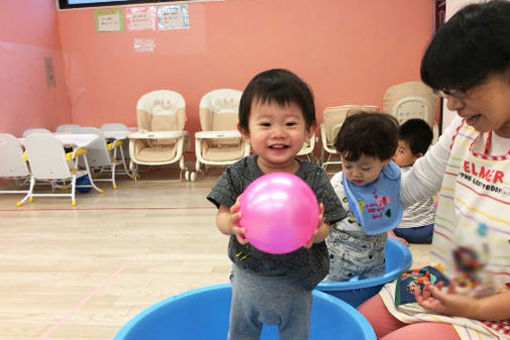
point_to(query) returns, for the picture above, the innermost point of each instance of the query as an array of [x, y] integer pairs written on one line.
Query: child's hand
[[322, 230], [235, 215], [400, 239]]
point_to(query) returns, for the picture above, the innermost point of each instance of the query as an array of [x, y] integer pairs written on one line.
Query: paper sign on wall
[[144, 45], [173, 17], [110, 20], [141, 18]]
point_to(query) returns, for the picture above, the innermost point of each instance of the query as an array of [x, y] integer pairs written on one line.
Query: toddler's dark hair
[[368, 133], [280, 86], [417, 133]]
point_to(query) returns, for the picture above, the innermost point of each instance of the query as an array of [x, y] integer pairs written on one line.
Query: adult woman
[[468, 63]]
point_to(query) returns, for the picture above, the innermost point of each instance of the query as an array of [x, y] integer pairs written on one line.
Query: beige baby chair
[[308, 147], [160, 139], [219, 142], [412, 99], [13, 166], [334, 117]]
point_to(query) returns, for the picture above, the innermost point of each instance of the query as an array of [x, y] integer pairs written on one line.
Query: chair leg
[[132, 176], [90, 176], [73, 190], [133, 168], [182, 166], [198, 169], [29, 194], [326, 163], [113, 166]]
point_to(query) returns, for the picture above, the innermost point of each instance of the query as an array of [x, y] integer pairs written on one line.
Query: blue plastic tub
[[202, 314], [398, 259]]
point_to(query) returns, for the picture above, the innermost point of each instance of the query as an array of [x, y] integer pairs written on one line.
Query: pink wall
[[28, 34], [348, 51]]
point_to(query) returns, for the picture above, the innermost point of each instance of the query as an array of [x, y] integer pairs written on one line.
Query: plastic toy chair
[[219, 142], [13, 165], [101, 155], [161, 138], [118, 132], [49, 162], [114, 127], [412, 99], [66, 128], [33, 131], [334, 117]]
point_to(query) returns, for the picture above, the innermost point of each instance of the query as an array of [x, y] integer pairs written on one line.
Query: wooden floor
[[82, 272]]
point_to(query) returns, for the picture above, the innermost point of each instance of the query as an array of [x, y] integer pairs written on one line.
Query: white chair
[[114, 127], [13, 165], [66, 128], [412, 99], [160, 139], [118, 132], [101, 155], [49, 162], [33, 131], [307, 148], [333, 119], [219, 143]]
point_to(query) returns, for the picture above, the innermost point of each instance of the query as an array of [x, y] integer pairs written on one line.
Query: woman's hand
[[446, 303], [494, 307]]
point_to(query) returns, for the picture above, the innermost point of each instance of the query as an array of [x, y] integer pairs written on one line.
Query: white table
[[76, 139], [218, 134], [156, 134]]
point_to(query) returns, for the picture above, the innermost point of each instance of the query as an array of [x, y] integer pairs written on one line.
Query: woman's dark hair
[[368, 133], [280, 86], [470, 46]]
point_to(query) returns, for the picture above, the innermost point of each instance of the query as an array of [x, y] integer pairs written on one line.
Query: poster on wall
[[173, 17], [141, 18], [110, 20], [144, 45]]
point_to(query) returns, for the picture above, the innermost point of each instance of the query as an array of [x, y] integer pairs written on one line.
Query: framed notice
[[144, 45], [110, 20], [173, 17], [141, 18]]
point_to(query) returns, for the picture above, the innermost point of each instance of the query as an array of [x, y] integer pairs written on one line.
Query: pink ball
[[279, 212]]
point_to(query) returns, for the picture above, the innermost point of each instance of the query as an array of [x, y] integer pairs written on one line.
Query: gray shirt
[[308, 266]]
